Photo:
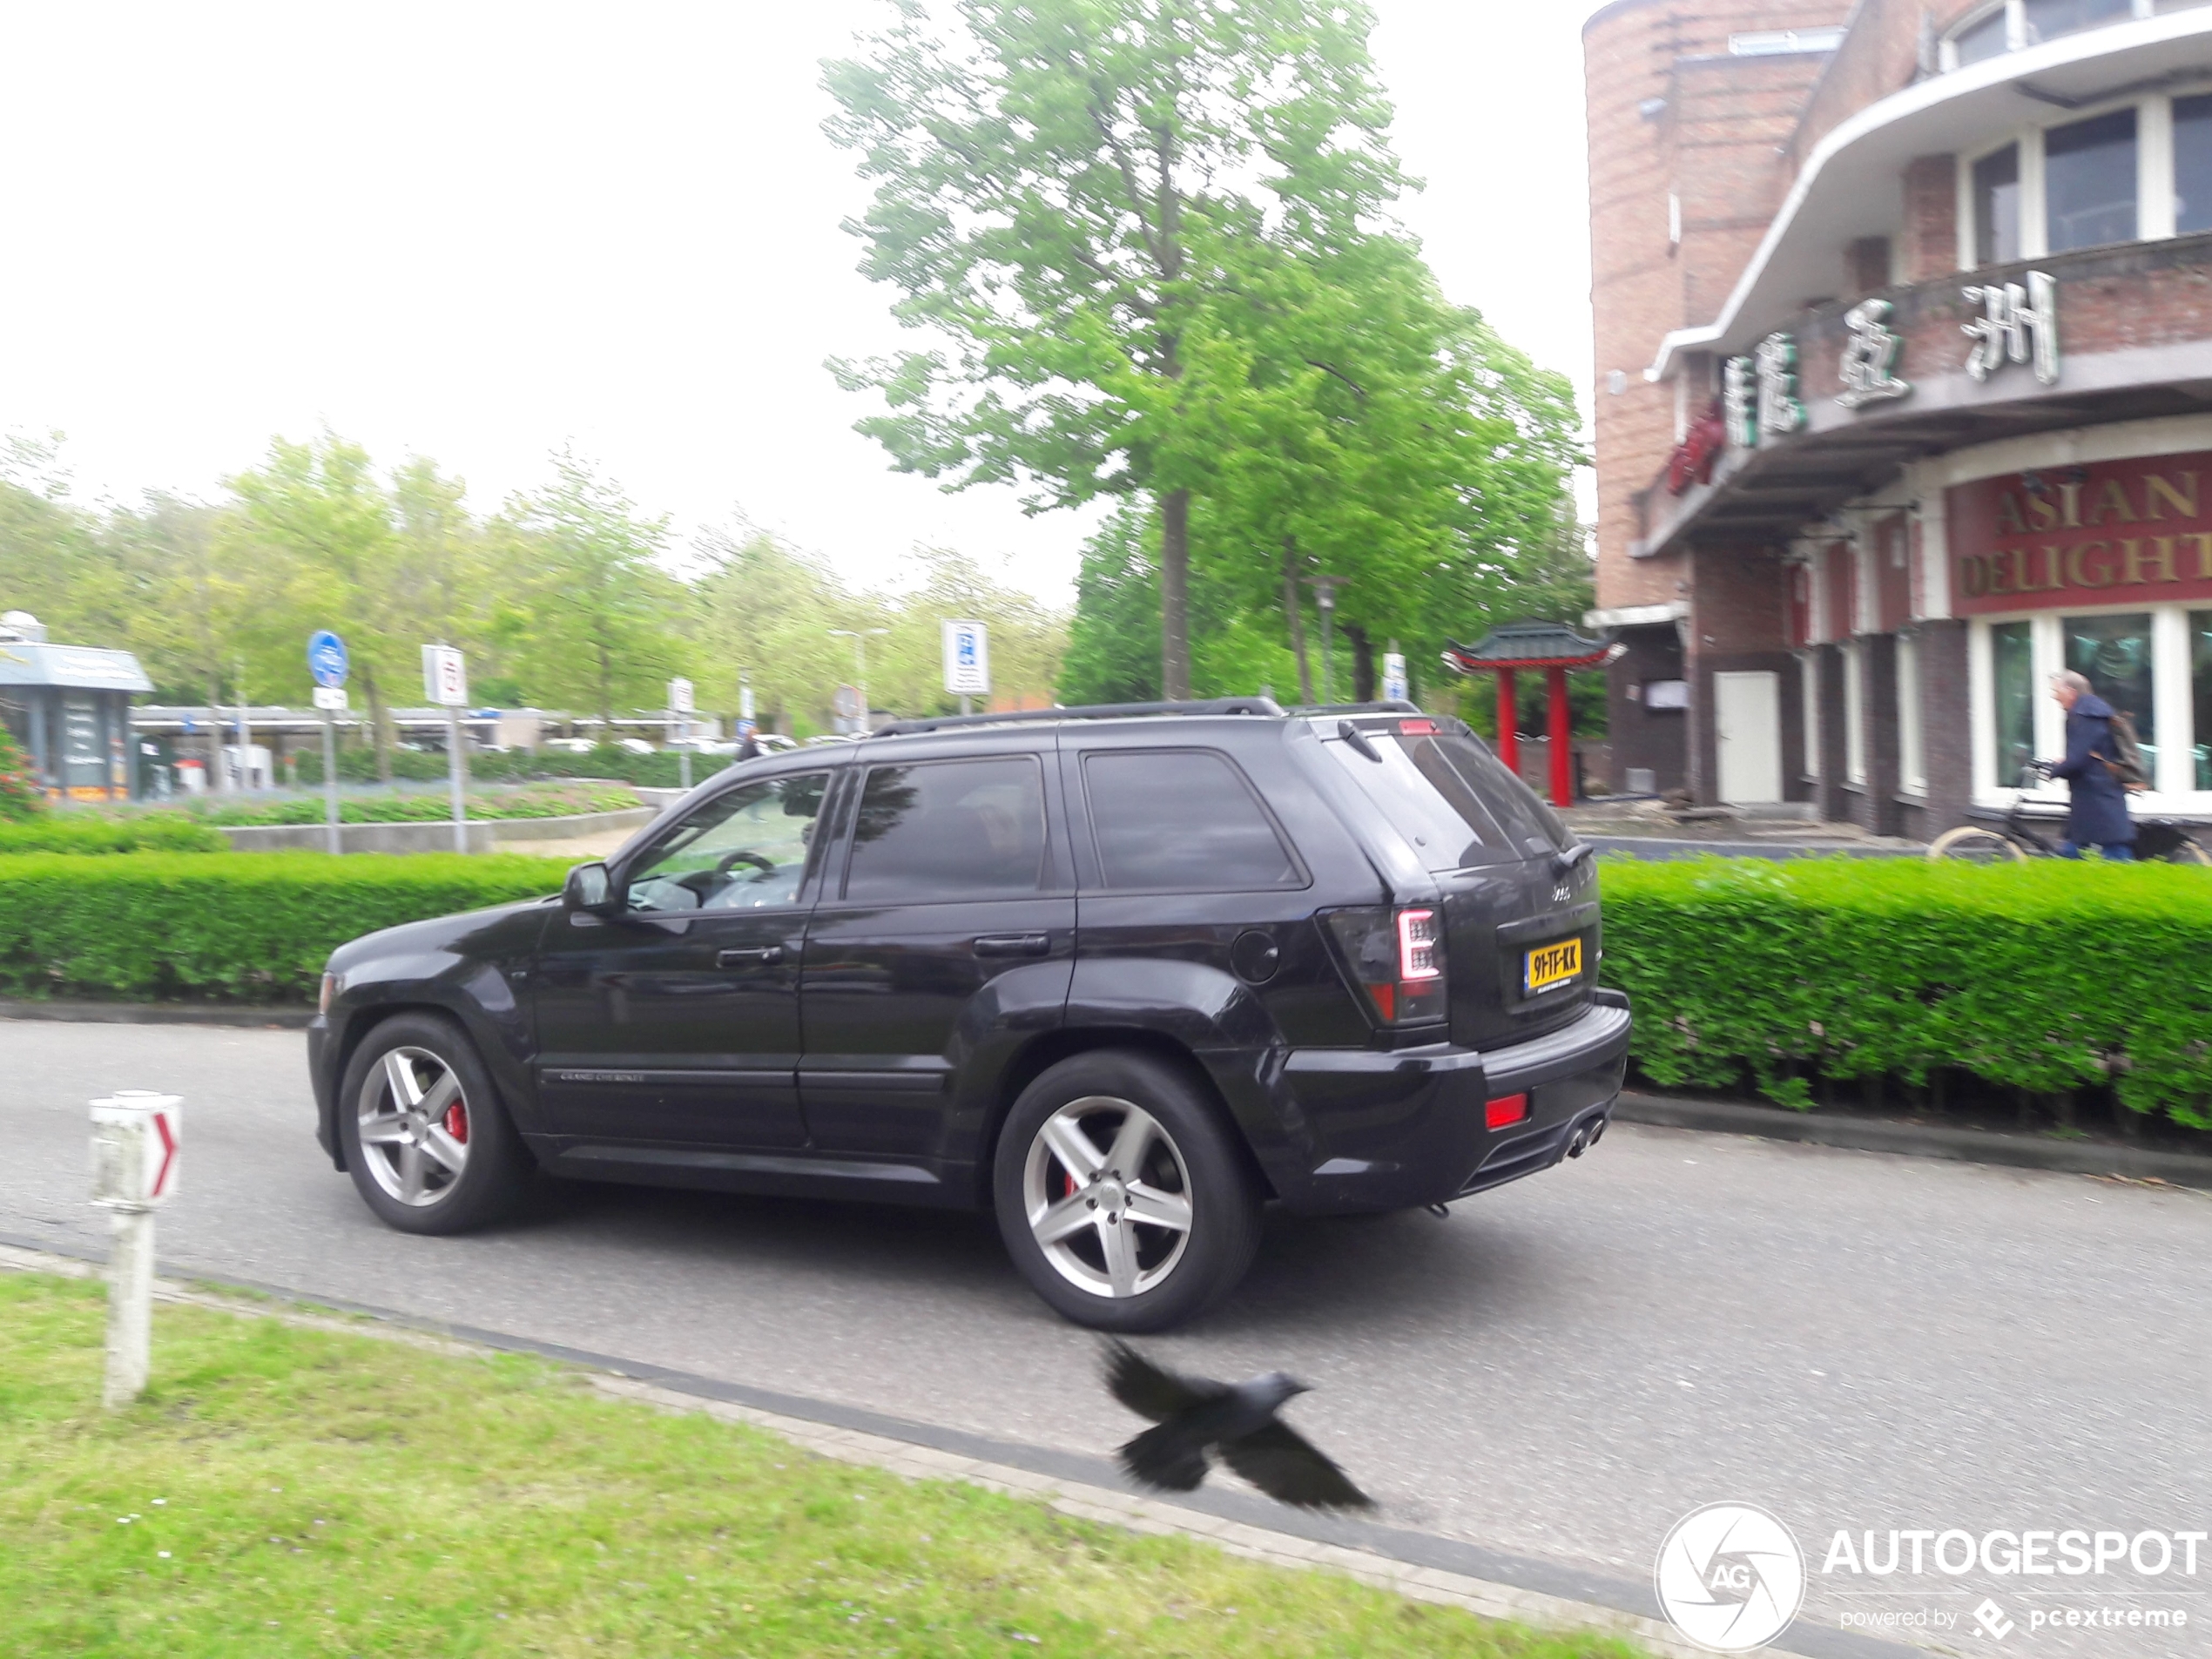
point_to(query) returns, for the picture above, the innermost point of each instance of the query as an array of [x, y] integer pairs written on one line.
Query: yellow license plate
[[1551, 965]]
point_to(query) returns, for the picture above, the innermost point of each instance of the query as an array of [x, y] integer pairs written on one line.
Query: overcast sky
[[477, 232]]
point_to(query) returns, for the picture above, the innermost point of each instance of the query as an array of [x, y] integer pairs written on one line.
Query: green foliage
[[20, 796], [555, 801], [159, 832], [248, 927], [2043, 976]]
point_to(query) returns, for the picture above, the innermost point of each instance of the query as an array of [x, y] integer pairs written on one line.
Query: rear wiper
[[1353, 735], [1562, 862]]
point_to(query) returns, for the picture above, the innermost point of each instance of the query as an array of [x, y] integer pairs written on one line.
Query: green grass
[[283, 1491]]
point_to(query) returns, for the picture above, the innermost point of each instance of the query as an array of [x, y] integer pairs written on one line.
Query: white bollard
[[136, 1137]]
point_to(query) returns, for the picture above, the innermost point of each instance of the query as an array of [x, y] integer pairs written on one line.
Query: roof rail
[[1392, 706], [1263, 705]]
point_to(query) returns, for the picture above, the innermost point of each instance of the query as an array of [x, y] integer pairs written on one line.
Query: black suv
[[1120, 975]]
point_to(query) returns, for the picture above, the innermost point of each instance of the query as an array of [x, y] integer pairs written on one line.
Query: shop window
[[1985, 40], [1809, 704], [2089, 181], [2011, 662], [2114, 652], [2048, 19], [2201, 691], [1854, 713], [1997, 207], [1911, 748], [2192, 164]]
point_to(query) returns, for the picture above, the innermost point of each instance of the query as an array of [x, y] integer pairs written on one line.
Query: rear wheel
[[1122, 1193], [1971, 844], [426, 1140]]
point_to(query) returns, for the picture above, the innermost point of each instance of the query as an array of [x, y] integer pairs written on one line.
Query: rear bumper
[[1392, 1129]]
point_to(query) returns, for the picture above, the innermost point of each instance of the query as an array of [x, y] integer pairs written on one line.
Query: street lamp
[[1324, 595], [859, 638]]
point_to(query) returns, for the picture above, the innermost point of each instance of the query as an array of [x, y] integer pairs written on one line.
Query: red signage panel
[[2113, 532]]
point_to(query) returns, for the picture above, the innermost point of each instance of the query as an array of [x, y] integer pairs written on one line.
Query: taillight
[[1417, 728], [1396, 957], [1505, 1111]]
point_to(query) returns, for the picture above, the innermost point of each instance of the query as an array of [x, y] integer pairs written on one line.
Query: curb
[[274, 1015], [1425, 1566], [1916, 1140]]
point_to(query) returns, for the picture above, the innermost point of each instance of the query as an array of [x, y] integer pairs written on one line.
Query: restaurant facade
[[1904, 395]]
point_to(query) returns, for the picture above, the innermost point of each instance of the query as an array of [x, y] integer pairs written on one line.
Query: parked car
[[1121, 975]]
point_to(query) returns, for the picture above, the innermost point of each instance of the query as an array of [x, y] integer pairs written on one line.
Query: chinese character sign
[[1739, 409], [1780, 413], [2017, 325], [1869, 369]]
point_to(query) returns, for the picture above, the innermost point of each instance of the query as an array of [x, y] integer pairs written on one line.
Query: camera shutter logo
[[1729, 1577]]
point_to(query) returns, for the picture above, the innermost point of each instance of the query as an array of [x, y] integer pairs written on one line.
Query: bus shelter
[[70, 708]]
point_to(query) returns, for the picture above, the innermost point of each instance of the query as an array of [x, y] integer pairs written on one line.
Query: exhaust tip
[[1575, 1146], [1597, 1130]]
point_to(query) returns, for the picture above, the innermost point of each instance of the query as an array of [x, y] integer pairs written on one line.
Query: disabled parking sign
[[967, 659]]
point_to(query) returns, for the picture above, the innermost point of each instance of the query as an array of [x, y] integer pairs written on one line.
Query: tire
[[1972, 845], [1193, 1179], [448, 1159], [2189, 852]]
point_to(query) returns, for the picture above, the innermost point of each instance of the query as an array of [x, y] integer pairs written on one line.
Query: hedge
[[144, 832], [660, 770], [2046, 976], [249, 927], [545, 800]]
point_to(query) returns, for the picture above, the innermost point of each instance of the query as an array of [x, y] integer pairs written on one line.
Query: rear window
[[1182, 821], [1450, 797]]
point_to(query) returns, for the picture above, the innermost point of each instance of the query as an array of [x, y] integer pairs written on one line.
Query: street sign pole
[[445, 681], [681, 702], [329, 664], [330, 777], [134, 1168]]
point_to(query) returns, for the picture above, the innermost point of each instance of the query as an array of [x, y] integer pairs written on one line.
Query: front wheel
[[1972, 845], [426, 1140], [1122, 1193]]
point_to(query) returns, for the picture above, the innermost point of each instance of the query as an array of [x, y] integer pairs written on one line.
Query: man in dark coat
[[2098, 817]]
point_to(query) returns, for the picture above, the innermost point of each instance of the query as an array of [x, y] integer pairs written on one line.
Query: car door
[[676, 1020], [947, 925]]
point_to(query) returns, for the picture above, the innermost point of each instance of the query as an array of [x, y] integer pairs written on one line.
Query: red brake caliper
[[457, 1121]]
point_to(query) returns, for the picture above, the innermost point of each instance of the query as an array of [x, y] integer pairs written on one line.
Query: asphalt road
[[1562, 1369]]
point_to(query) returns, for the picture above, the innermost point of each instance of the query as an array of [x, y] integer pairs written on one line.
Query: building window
[[2201, 693], [2192, 164], [2012, 662], [2115, 653], [2089, 182], [1770, 43], [1997, 207], [1912, 749], [1988, 38], [1854, 713], [2043, 20], [1809, 702]]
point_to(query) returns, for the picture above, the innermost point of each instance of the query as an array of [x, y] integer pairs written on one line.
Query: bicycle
[[2017, 838]]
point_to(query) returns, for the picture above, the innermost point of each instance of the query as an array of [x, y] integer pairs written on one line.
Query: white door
[[1747, 727]]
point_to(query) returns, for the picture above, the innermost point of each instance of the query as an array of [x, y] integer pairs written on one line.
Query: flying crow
[[1194, 1415]]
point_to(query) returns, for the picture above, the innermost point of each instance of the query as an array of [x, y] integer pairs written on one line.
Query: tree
[[597, 623], [1059, 187]]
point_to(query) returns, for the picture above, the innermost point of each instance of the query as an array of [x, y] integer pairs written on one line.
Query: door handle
[[748, 955], [1014, 944]]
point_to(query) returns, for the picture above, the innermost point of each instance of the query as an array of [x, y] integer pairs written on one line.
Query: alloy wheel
[[413, 1124], [1108, 1197]]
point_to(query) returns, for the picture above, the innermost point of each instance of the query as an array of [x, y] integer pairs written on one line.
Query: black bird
[[1193, 1415]]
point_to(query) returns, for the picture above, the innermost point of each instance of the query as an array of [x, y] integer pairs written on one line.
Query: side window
[[1182, 821], [744, 850], [949, 829]]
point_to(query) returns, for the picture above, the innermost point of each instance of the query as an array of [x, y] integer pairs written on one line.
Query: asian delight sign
[[2106, 533]]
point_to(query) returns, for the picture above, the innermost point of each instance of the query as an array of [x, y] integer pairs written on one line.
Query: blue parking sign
[[327, 658]]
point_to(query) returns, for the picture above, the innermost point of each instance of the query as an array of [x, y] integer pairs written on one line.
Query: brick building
[[1904, 331]]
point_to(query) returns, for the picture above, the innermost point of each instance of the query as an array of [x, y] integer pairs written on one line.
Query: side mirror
[[591, 888]]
